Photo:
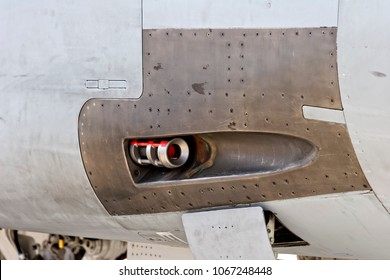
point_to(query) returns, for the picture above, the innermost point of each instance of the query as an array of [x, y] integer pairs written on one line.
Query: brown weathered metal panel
[[223, 81]]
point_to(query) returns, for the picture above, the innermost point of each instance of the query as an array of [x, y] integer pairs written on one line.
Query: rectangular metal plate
[[219, 234]]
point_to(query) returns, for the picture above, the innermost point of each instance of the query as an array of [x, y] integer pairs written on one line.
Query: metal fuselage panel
[[364, 70], [48, 52], [232, 81], [55, 56]]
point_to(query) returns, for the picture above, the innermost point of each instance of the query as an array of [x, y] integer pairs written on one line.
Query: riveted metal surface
[[213, 81]]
